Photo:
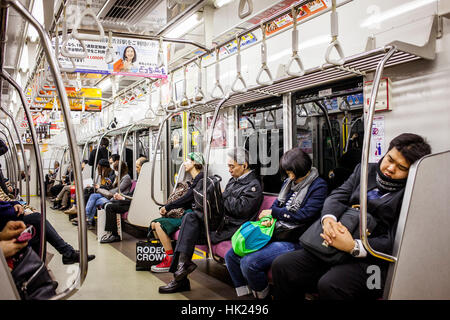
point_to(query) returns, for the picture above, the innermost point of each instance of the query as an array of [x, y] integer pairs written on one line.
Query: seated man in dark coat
[[241, 200], [296, 272]]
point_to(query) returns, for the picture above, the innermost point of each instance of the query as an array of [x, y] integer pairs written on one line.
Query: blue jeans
[[95, 199], [252, 268]]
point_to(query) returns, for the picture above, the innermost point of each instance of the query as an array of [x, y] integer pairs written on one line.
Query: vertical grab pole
[[15, 163], [120, 161], [24, 160], [365, 161], [82, 230], [37, 154], [206, 167]]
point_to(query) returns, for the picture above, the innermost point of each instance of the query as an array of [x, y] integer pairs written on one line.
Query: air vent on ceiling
[[126, 11]]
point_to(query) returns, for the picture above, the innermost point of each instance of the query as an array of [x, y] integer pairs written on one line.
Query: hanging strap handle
[[160, 62], [160, 109], [217, 85], [264, 68], [184, 98], [170, 106], [334, 39], [109, 54], [199, 95], [64, 50], [238, 69], [242, 13], [88, 12], [295, 57]]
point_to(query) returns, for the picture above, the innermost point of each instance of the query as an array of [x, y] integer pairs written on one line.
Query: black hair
[[411, 146], [114, 157], [85, 161], [297, 161], [198, 166], [135, 55], [104, 142]]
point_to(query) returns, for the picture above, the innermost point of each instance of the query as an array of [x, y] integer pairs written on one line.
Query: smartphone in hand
[[26, 234]]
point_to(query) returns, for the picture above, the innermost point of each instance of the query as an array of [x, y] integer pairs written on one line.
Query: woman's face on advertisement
[[129, 53]]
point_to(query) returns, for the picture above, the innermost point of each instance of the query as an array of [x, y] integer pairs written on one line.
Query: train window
[[195, 141], [261, 132]]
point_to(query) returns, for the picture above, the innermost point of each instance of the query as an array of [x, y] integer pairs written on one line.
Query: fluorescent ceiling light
[[394, 12], [38, 13], [185, 26], [221, 3]]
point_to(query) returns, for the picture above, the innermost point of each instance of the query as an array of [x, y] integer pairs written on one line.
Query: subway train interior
[[188, 149]]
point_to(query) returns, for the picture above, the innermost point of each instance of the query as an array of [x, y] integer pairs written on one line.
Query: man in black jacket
[[296, 272], [103, 153], [241, 200]]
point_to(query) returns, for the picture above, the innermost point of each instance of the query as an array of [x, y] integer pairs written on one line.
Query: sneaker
[[112, 238], [164, 266], [72, 210]]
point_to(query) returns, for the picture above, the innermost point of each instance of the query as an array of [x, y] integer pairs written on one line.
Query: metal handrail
[[10, 164], [76, 165], [365, 161], [37, 154], [327, 118], [205, 174], [18, 174], [120, 161]]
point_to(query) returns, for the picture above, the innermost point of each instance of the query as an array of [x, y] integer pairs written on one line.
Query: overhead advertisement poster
[[131, 57], [76, 99]]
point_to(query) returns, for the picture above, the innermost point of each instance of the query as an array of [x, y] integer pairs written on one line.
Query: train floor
[[112, 274]]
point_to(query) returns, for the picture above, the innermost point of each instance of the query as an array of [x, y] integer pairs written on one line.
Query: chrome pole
[[82, 230], [22, 149], [365, 161], [14, 161], [205, 174]]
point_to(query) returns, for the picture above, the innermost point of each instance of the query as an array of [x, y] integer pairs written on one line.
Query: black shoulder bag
[[32, 278], [315, 244]]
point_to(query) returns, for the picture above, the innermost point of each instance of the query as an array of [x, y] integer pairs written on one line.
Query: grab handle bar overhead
[[334, 39], [365, 161], [295, 57], [264, 68]]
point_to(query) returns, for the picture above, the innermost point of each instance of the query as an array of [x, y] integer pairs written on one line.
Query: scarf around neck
[[300, 190], [387, 184]]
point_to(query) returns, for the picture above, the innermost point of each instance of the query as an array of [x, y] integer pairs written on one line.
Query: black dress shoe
[[176, 286], [74, 257], [183, 270]]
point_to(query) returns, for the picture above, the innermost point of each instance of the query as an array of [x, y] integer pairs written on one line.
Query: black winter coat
[[385, 210], [242, 199]]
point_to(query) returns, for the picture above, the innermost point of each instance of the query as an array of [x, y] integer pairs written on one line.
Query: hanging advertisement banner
[[286, 20], [76, 99], [131, 57]]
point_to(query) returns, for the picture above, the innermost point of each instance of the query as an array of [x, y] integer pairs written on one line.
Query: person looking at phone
[[8, 238], [14, 211]]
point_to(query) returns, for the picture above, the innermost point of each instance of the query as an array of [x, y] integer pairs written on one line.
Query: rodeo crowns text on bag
[[148, 253]]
